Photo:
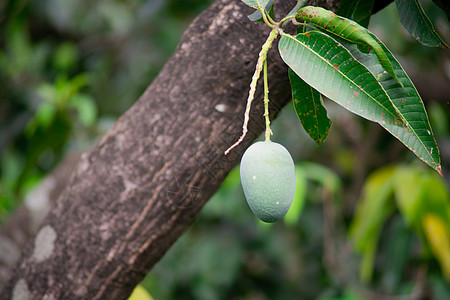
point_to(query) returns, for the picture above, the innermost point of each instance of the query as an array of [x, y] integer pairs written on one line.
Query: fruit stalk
[[259, 66], [266, 104]]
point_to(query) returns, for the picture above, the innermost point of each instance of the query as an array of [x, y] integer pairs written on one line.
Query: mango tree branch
[[139, 189], [144, 183]]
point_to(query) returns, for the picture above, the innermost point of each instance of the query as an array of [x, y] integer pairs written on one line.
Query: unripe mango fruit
[[268, 180]]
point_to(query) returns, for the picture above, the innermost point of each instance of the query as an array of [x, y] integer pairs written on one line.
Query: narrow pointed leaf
[[417, 135], [416, 22], [344, 28], [295, 9], [257, 15], [438, 236], [256, 3], [372, 211], [357, 10], [309, 107], [329, 68]]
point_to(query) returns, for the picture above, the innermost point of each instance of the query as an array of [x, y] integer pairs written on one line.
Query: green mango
[[268, 180]]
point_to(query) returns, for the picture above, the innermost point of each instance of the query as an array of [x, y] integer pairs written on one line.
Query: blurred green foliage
[[69, 68], [422, 199], [140, 293], [228, 253]]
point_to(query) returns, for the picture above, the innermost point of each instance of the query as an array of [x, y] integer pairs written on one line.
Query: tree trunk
[[26, 220], [139, 189]]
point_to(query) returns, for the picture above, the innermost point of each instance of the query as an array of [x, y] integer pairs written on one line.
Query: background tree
[[138, 189]]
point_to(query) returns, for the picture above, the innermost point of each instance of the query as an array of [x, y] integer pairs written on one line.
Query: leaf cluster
[[335, 57]]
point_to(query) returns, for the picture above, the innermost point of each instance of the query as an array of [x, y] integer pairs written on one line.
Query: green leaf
[[436, 197], [398, 245], [417, 135], [256, 3], [257, 15], [140, 293], [295, 9], [438, 286], [308, 104], [348, 295], [444, 5], [323, 176], [418, 192], [330, 69], [357, 10], [45, 114], [416, 22], [296, 209], [371, 213], [346, 29], [86, 108], [409, 195], [47, 92], [438, 236]]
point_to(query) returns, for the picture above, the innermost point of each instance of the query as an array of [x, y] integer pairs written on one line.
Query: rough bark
[[23, 223], [133, 195]]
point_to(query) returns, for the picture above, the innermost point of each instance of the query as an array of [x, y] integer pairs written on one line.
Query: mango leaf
[[438, 285], [416, 22], [419, 191], [323, 176], [422, 199], [140, 293], [45, 114], [86, 108], [308, 104], [444, 5], [330, 69], [295, 9], [309, 107], [346, 29], [436, 196], [371, 213], [296, 209], [347, 295], [257, 15], [357, 10], [438, 236], [398, 246], [417, 134], [409, 195], [256, 3]]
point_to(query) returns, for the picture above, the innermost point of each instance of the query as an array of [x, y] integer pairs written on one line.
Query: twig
[[259, 66]]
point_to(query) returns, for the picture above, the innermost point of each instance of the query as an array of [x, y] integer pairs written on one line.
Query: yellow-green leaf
[[371, 213], [139, 293], [438, 236]]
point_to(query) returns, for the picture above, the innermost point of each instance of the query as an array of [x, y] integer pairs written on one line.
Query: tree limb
[[134, 194], [23, 223]]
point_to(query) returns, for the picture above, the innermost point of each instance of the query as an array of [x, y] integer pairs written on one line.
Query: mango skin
[[268, 180]]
